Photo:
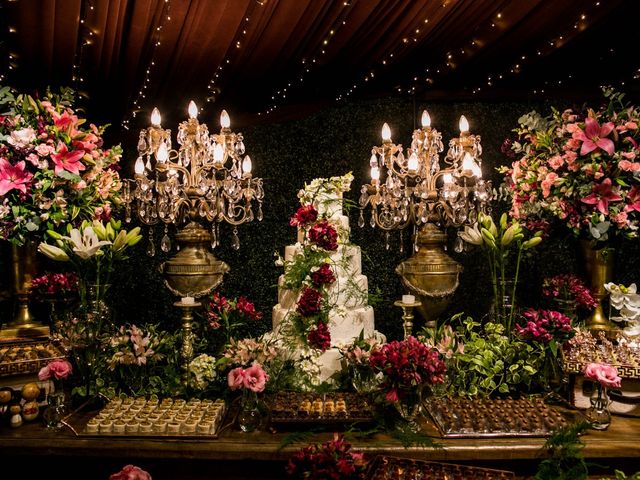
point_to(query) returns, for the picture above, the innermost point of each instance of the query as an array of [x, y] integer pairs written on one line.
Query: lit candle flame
[[386, 132], [375, 173], [468, 163], [139, 167], [246, 164], [162, 154], [193, 110], [155, 117], [413, 162], [225, 121], [426, 119], [464, 124]]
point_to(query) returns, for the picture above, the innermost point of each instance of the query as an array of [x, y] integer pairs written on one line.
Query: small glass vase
[[409, 406], [363, 379], [250, 413], [56, 408], [598, 414]]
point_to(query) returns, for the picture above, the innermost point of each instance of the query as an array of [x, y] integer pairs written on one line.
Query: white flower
[[471, 235], [621, 296], [53, 252], [85, 245], [21, 138]]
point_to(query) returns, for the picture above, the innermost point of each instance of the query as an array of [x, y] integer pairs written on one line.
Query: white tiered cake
[[350, 314]]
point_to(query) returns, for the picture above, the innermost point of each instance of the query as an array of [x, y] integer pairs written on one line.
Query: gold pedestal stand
[[407, 316], [186, 351]]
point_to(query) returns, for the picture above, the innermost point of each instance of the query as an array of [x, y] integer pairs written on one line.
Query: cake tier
[[350, 292], [329, 205], [344, 324], [346, 260]]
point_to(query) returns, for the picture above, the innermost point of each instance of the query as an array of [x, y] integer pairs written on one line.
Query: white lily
[[471, 235], [53, 252], [85, 245]]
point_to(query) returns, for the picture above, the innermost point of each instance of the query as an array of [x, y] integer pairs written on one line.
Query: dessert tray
[[141, 417], [478, 418], [18, 358], [622, 353], [391, 468], [290, 408]]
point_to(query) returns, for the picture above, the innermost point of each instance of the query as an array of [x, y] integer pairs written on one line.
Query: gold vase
[[599, 267], [23, 269], [430, 274]]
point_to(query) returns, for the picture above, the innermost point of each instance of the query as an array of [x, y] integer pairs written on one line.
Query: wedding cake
[[343, 310]]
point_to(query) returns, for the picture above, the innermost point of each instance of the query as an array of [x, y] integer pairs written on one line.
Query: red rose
[[309, 302], [131, 472], [305, 215], [324, 235], [320, 338], [323, 276]]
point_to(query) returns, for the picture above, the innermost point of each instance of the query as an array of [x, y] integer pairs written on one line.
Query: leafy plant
[[491, 361], [565, 460]]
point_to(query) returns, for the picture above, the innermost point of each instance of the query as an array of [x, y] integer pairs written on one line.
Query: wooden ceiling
[[265, 60]]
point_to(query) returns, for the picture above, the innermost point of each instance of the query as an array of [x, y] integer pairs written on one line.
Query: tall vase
[[599, 267], [23, 269]]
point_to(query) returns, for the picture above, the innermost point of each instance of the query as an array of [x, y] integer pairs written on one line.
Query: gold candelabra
[[418, 191], [206, 181]]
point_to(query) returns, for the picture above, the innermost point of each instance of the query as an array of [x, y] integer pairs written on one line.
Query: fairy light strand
[[86, 36], [156, 41], [5, 50]]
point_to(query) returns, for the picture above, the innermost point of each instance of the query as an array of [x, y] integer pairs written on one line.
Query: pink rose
[[628, 166], [236, 378], [605, 374], [131, 472], [57, 369], [255, 378]]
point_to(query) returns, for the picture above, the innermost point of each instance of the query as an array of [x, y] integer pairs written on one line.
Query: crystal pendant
[[259, 215], [361, 220], [235, 240], [372, 221], [214, 237], [458, 245], [386, 241], [165, 243], [401, 241], [151, 248]]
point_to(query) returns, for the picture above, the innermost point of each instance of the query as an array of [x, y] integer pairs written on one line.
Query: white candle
[[408, 299], [188, 300]]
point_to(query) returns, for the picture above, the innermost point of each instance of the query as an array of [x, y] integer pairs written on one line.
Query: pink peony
[[605, 374], [131, 472], [57, 369], [236, 378], [255, 378]]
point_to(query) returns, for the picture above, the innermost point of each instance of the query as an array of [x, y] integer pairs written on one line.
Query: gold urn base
[[194, 271], [430, 274], [599, 265]]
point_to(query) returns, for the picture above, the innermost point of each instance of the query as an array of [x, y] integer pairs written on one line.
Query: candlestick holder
[[407, 315], [186, 351]]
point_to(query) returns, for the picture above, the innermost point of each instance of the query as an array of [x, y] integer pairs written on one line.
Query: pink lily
[[633, 199], [601, 196], [13, 177], [68, 160], [594, 135]]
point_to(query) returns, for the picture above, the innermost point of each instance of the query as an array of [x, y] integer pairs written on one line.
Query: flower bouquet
[[251, 381], [580, 169], [355, 361], [54, 169], [333, 460], [569, 293], [56, 371], [407, 367], [229, 315], [605, 376]]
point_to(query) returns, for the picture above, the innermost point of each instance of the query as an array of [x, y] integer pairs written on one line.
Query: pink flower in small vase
[[594, 135], [131, 472], [13, 177], [57, 369], [68, 160], [255, 378], [236, 378], [602, 194], [604, 374]]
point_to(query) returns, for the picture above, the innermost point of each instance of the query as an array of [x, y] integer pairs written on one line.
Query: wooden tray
[[77, 422], [486, 418], [392, 468]]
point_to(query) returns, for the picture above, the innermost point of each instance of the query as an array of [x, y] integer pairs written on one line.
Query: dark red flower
[[543, 326], [248, 308], [309, 302], [323, 276], [324, 235], [320, 337], [305, 215]]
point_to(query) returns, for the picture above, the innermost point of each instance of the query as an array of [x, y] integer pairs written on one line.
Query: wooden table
[[257, 455]]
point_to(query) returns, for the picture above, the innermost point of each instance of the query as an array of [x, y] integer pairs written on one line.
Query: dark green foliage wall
[[329, 143]]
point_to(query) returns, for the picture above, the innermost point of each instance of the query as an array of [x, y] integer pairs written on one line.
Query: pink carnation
[[605, 374], [235, 379], [57, 369], [255, 378]]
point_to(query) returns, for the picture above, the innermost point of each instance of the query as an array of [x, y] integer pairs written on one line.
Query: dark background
[[334, 142]]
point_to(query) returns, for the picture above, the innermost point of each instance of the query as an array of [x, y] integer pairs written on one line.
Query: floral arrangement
[[578, 168], [53, 169], [605, 375], [325, 188], [246, 351], [498, 242], [54, 284], [570, 288], [544, 326], [627, 301], [132, 347], [131, 472], [202, 371], [358, 352], [253, 378], [405, 366], [228, 315], [58, 369], [333, 460], [446, 341]]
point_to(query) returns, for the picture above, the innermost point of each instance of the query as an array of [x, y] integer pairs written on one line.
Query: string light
[[85, 38], [10, 64], [140, 95], [316, 54], [213, 88]]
